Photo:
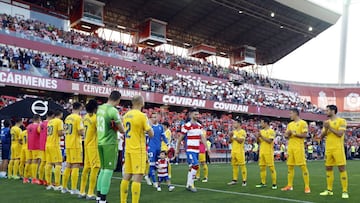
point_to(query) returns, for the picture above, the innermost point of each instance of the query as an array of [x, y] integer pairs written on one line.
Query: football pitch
[[216, 190]]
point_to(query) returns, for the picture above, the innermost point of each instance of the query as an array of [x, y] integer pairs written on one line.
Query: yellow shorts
[[41, 155], [34, 154], [15, 151], [296, 157], [25, 155], [92, 158], [53, 154], [202, 157], [73, 155], [237, 159], [266, 159], [335, 157], [135, 163]]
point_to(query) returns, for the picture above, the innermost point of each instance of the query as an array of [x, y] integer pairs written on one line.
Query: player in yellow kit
[[237, 139], [25, 158], [296, 132], [266, 155], [136, 125], [14, 163], [164, 146], [73, 132], [202, 160], [92, 160], [334, 132], [55, 129]]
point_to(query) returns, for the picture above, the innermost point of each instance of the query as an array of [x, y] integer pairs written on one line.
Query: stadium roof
[[274, 27]]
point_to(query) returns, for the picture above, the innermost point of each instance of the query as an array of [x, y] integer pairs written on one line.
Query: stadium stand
[[146, 56], [91, 71]]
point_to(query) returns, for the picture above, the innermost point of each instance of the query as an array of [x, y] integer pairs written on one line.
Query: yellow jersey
[[53, 137], [267, 148], [333, 141], [164, 147], [24, 138], [237, 147], [298, 128], [15, 132], [73, 125], [136, 123], [91, 139]]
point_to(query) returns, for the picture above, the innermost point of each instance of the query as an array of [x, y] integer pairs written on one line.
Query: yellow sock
[[344, 181], [147, 168], [57, 175], [74, 178], [34, 169], [135, 192], [92, 182], [22, 168], [305, 173], [65, 177], [16, 167], [84, 179], [42, 170], [10, 168], [48, 169], [330, 179], [263, 174], [206, 171], [244, 172], [27, 170], [273, 174], [198, 172], [235, 172], [124, 189], [169, 170], [291, 172]]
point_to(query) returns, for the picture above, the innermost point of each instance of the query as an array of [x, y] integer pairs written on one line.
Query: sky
[[317, 61]]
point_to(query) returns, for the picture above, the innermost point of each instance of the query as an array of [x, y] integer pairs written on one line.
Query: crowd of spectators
[[149, 56], [87, 70]]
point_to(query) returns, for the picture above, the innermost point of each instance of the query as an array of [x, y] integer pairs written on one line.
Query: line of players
[[192, 134], [35, 151], [334, 129], [38, 146]]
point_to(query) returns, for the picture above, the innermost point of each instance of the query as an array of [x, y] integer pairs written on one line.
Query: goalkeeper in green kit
[[108, 122]]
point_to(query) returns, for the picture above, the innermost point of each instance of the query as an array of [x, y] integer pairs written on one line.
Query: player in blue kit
[[154, 146], [6, 144]]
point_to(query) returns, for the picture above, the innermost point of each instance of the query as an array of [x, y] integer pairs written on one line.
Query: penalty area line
[[240, 193]]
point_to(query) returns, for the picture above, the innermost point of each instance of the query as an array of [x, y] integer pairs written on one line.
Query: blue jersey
[[5, 136], [159, 135]]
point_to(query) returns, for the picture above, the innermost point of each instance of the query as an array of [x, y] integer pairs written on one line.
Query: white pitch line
[[240, 193]]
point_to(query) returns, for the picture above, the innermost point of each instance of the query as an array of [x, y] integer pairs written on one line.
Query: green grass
[[219, 174]]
